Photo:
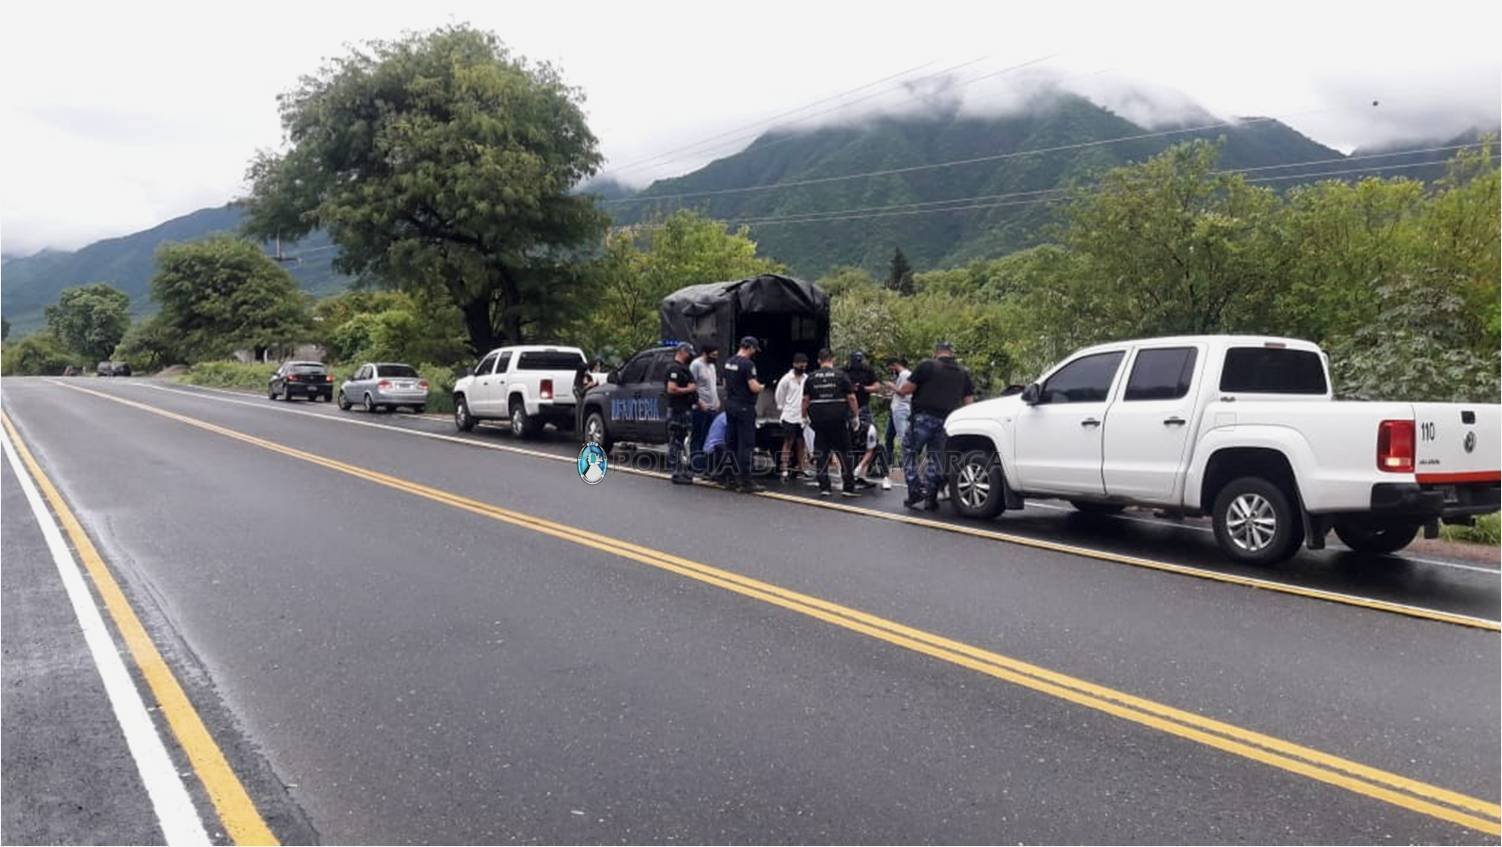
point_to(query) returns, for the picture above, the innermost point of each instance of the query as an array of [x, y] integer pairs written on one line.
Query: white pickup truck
[[1241, 428], [529, 385]]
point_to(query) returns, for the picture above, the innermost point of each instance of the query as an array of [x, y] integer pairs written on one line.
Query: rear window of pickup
[[549, 360], [1272, 370]]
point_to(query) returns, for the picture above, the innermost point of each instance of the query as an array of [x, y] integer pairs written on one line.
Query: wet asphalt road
[[392, 669]]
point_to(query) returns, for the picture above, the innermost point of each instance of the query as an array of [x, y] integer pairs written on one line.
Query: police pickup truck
[[632, 405], [1243, 429]]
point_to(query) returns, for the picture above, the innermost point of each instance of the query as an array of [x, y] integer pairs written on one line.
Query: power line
[[779, 116], [1061, 190], [953, 163], [898, 211]]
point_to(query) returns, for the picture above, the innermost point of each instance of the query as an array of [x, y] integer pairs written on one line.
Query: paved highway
[[389, 633]]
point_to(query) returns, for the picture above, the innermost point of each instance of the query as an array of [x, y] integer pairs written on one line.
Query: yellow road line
[[975, 532], [236, 810], [1294, 758]]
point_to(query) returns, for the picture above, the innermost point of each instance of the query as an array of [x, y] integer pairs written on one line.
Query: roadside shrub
[[251, 376], [1488, 530], [441, 380], [38, 354]]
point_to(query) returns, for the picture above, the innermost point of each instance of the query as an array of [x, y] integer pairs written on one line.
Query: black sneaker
[[862, 482], [931, 504], [751, 488], [912, 500], [683, 480], [849, 492], [825, 492]]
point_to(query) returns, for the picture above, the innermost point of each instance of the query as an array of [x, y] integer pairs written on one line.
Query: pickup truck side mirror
[[1032, 394]]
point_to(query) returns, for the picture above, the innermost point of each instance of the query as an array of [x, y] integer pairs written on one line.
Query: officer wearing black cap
[[741, 388], [829, 405], [682, 393]]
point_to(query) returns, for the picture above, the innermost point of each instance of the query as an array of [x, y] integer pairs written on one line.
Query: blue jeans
[[925, 432], [679, 424], [896, 429], [698, 432]]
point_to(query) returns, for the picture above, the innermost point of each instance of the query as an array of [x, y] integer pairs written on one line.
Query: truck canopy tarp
[[714, 312]]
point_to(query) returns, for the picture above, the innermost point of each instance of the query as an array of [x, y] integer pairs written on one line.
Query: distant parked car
[[105, 368], [121, 369], [301, 379], [378, 386]]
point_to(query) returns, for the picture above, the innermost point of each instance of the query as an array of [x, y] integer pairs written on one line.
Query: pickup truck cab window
[[1163, 373], [1273, 370], [1084, 380], [503, 364], [486, 365], [636, 369]]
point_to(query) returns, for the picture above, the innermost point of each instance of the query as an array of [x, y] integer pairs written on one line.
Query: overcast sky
[[117, 116]]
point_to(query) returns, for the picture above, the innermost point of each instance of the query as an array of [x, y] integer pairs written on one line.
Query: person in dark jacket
[[741, 388], [938, 386], [829, 405]]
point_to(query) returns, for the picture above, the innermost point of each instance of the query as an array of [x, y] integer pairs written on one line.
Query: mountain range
[[875, 179]]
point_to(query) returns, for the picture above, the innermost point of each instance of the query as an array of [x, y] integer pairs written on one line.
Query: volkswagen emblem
[[1470, 442]]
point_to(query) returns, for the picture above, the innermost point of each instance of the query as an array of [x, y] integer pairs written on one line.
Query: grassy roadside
[[1488, 531]]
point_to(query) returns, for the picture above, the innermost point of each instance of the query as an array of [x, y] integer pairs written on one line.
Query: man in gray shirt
[[706, 378]]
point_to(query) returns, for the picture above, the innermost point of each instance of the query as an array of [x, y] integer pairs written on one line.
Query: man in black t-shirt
[[829, 405], [938, 387], [682, 394], [741, 388]]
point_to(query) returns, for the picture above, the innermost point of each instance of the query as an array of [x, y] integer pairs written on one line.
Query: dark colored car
[[632, 405], [301, 379], [120, 369]]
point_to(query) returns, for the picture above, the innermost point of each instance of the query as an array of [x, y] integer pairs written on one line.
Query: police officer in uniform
[[938, 387], [682, 394], [829, 405], [741, 388]]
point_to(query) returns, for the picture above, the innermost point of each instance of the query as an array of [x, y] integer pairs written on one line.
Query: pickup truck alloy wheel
[[462, 419], [976, 485], [522, 425], [1256, 522], [594, 430]]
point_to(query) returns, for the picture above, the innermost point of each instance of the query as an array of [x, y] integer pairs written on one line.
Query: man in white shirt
[[706, 405], [790, 402], [902, 405]]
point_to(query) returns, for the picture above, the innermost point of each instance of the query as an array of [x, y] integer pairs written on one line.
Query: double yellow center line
[[1353, 776]]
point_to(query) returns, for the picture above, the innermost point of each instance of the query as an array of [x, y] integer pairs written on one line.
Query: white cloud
[[118, 116]]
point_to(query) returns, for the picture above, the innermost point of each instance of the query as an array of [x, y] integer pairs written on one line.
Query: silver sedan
[[383, 386]]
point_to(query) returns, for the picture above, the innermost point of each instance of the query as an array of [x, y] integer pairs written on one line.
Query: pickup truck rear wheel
[[594, 430], [1370, 535], [522, 424], [1256, 522], [975, 488]]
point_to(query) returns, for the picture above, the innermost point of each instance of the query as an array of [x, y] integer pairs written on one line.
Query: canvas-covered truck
[[788, 315], [1244, 429]]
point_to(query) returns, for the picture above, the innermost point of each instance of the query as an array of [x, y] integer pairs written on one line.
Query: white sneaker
[[886, 485], [784, 476]]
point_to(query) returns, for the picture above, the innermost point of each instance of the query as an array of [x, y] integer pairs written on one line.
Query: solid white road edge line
[[174, 809]]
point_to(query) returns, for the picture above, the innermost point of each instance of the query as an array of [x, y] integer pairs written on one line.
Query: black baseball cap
[[750, 341]]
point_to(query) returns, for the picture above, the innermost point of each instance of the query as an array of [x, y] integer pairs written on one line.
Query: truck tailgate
[[1457, 442]]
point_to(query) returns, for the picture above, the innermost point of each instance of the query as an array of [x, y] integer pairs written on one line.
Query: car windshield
[[396, 370]]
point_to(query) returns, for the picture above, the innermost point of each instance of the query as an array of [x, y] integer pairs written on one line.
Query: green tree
[[38, 354], [391, 326], [4, 329], [1170, 246], [441, 162], [1460, 237], [642, 265], [223, 294], [149, 345], [90, 319], [845, 278], [900, 275]]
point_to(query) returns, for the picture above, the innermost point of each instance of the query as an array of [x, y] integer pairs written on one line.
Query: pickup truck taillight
[[1395, 446], [546, 391]]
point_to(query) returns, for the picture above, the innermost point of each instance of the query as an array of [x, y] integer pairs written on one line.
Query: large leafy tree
[[90, 319], [224, 294], [441, 161], [900, 275], [642, 265]]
